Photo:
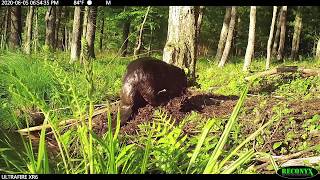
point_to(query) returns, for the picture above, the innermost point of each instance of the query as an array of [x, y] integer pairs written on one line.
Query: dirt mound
[[208, 105]]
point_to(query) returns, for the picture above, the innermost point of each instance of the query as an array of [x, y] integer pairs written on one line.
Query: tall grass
[[161, 146]]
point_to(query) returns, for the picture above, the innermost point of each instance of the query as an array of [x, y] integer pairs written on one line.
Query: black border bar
[[155, 2]]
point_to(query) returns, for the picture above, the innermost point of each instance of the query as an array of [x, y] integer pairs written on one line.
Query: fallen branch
[[302, 161], [69, 121], [284, 69], [286, 157]]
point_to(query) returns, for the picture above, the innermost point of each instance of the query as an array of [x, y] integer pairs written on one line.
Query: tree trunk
[[16, 27], [276, 37], [224, 33], [125, 38], [137, 50], [180, 48], [283, 23], [35, 31], [150, 42], [65, 38], [76, 34], [84, 34], [318, 50], [29, 30], [251, 39], [296, 34], [229, 37], [101, 33], [85, 21], [7, 25], [69, 40], [237, 51], [271, 37], [50, 27], [57, 27], [91, 30], [198, 18]]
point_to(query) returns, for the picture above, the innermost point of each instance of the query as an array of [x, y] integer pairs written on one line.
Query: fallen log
[[285, 69], [69, 121]]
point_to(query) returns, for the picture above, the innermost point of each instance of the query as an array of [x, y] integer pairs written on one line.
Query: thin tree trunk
[[318, 50], [125, 38], [150, 42], [50, 27], [224, 33], [36, 32], [276, 37], [229, 37], [85, 21], [29, 30], [238, 51], [76, 34], [84, 33], [91, 30], [271, 37], [251, 39], [282, 33], [296, 34], [101, 33], [65, 29], [7, 25], [57, 27], [198, 18], [69, 40], [16, 27], [137, 50]]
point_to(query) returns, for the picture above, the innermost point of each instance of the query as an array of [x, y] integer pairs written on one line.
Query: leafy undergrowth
[[204, 131]]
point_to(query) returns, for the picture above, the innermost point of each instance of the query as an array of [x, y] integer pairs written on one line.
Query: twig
[[65, 122], [302, 161], [285, 158], [311, 72]]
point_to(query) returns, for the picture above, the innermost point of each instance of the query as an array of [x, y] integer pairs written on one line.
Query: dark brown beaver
[[149, 81]]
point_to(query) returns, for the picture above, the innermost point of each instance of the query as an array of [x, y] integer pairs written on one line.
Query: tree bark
[[283, 23], [7, 25], [35, 31], [101, 33], [271, 37], [125, 38], [50, 27], [57, 25], [276, 37], [150, 42], [137, 50], [76, 34], [318, 50], [251, 39], [29, 30], [198, 18], [85, 21], [16, 27], [64, 30], [91, 30], [180, 48], [296, 34], [224, 33], [229, 37], [84, 34]]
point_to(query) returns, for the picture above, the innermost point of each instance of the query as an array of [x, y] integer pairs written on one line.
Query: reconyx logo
[[297, 172]]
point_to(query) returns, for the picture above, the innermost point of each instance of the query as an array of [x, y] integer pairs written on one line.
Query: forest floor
[[291, 100], [208, 105]]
